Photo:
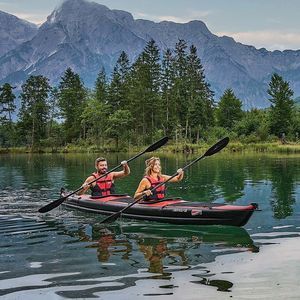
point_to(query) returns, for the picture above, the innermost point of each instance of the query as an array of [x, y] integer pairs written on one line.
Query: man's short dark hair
[[99, 159]]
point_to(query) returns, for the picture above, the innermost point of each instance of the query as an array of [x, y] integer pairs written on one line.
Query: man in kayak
[[105, 186], [152, 178]]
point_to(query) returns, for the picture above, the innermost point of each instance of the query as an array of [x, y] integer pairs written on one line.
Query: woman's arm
[[143, 189]]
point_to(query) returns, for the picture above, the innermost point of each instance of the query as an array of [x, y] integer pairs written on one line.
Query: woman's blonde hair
[[149, 165]]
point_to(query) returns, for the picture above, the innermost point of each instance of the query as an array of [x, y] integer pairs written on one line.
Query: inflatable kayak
[[168, 210]]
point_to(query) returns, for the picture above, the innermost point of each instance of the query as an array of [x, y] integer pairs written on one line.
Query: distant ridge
[[14, 31], [87, 36]]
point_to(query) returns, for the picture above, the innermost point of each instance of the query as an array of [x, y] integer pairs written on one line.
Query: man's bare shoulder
[[90, 178]]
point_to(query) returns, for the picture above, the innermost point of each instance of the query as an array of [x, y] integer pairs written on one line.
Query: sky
[[271, 24]]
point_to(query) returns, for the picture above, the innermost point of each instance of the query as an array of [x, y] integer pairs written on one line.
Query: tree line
[[158, 94]]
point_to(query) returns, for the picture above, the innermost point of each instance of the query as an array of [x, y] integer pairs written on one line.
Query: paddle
[[211, 151], [59, 201]]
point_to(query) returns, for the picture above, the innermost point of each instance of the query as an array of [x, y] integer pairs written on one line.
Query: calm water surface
[[68, 254]]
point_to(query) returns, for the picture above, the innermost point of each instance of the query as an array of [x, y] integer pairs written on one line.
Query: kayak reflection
[[162, 246]]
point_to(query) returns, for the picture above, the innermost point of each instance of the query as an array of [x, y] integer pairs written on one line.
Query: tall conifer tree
[[7, 105], [180, 83], [229, 110], [144, 90], [118, 89], [200, 97], [34, 110], [72, 96], [101, 87], [282, 104], [167, 82]]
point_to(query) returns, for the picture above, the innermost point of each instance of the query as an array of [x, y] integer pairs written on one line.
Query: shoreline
[[266, 148]]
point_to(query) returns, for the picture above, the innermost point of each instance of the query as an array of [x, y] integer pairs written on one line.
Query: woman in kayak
[[152, 178]]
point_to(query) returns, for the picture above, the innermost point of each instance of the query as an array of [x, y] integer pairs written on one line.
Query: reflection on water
[[69, 254], [54, 254]]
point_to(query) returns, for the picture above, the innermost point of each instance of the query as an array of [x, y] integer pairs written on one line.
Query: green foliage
[[253, 127], [7, 108], [145, 100], [117, 124], [101, 87], [282, 106], [72, 97], [179, 91], [200, 97], [94, 119], [229, 110], [34, 110], [167, 83], [7, 105], [152, 97], [118, 88]]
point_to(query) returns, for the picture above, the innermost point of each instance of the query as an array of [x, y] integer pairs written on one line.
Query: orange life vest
[[158, 193], [104, 186]]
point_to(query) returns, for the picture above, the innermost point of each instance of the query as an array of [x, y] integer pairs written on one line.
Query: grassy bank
[[274, 147]]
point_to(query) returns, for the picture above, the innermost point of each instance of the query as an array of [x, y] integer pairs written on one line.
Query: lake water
[[67, 254]]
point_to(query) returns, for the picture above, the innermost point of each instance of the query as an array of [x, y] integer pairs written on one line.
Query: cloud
[[269, 39], [189, 16], [33, 18]]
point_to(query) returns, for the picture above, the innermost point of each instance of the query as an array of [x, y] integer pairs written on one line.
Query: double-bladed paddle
[[211, 151], [59, 201]]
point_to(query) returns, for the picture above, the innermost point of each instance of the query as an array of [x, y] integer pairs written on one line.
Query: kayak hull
[[174, 211]]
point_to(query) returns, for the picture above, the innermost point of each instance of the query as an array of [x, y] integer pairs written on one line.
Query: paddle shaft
[[140, 198], [212, 150], [56, 203], [110, 171], [159, 185]]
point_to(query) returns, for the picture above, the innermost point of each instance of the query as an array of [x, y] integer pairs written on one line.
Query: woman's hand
[[147, 193]]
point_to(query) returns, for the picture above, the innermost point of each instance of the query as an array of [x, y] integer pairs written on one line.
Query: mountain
[[87, 36], [14, 31]]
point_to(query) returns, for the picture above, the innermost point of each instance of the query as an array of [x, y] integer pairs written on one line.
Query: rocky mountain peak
[[87, 36], [14, 31]]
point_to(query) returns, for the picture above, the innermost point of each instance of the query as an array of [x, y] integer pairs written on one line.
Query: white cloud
[[33, 18], [269, 39], [189, 16]]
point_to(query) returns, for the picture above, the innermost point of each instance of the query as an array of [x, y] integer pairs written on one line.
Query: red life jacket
[[104, 186], [158, 193]]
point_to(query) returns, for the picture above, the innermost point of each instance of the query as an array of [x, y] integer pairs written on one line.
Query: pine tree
[[144, 91], [119, 124], [7, 105], [7, 108], [94, 120], [53, 108], [34, 110], [200, 98], [72, 96], [229, 110], [101, 87], [179, 92], [167, 82], [281, 111], [118, 89]]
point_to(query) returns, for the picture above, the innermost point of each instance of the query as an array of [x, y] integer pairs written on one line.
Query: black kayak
[[168, 210]]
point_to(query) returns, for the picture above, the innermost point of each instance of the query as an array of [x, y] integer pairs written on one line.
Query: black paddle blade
[[157, 144], [52, 205], [217, 147]]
